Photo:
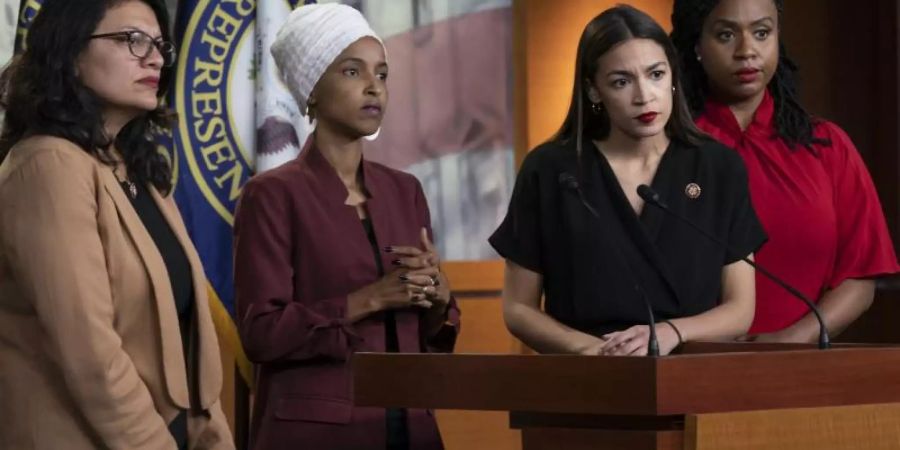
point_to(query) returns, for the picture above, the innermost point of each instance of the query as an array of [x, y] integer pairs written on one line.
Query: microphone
[[652, 197], [568, 181]]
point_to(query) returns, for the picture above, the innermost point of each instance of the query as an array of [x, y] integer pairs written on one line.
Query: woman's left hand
[[424, 272], [634, 341], [782, 336]]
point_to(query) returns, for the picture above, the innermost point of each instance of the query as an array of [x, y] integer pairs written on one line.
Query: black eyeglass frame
[[165, 48]]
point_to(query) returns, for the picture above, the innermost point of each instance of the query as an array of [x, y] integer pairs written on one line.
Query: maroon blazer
[[299, 251]]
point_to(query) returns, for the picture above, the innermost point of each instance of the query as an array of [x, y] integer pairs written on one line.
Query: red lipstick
[[150, 81], [647, 117], [747, 75]]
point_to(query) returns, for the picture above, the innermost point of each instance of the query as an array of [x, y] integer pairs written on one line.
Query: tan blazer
[[90, 351]]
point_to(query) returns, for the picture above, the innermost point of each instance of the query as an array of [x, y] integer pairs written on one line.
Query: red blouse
[[820, 210]]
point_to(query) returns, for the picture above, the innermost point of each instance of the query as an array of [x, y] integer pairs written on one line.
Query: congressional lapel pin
[[692, 190]]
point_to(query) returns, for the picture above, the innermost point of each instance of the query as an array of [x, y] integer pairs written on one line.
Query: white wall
[[8, 11]]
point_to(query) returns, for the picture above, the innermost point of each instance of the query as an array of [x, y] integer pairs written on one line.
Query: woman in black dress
[[578, 232]]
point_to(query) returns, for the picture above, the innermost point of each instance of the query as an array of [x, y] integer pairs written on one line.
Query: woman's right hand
[[634, 341], [389, 292], [593, 347]]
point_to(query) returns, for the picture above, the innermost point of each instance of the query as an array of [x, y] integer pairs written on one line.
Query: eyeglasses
[[141, 44]]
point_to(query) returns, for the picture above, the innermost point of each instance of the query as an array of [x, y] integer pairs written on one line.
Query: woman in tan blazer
[[106, 339]]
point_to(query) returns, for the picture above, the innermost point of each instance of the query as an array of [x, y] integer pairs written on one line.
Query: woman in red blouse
[[808, 184]]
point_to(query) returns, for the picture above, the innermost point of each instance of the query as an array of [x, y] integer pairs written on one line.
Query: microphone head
[[647, 193], [568, 181]]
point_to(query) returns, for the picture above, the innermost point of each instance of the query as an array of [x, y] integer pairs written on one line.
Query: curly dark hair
[[41, 93], [792, 122], [602, 34]]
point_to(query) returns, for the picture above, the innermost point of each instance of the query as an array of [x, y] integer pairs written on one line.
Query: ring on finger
[[435, 281]]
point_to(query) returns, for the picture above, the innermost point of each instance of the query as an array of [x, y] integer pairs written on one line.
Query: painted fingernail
[[396, 262], [404, 278], [389, 249]]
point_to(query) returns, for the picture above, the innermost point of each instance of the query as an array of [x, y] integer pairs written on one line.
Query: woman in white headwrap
[[333, 253]]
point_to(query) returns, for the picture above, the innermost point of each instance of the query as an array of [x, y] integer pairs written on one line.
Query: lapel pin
[[692, 190]]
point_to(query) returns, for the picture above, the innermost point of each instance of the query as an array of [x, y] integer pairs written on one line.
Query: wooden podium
[[710, 396]]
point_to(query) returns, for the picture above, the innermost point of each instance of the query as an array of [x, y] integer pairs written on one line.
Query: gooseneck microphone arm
[[652, 197], [569, 181]]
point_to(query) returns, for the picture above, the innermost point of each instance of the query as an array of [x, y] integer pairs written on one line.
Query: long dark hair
[[611, 28], [41, 93], [792, 122]]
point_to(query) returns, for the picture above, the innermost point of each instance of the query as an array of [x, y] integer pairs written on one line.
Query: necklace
[[130, 188], [127, 185]]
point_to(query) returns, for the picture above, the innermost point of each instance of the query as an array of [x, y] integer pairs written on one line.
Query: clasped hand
[[416, 280], [634, 341]]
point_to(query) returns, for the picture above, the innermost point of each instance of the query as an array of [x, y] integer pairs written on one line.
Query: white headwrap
[[311, 39]]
